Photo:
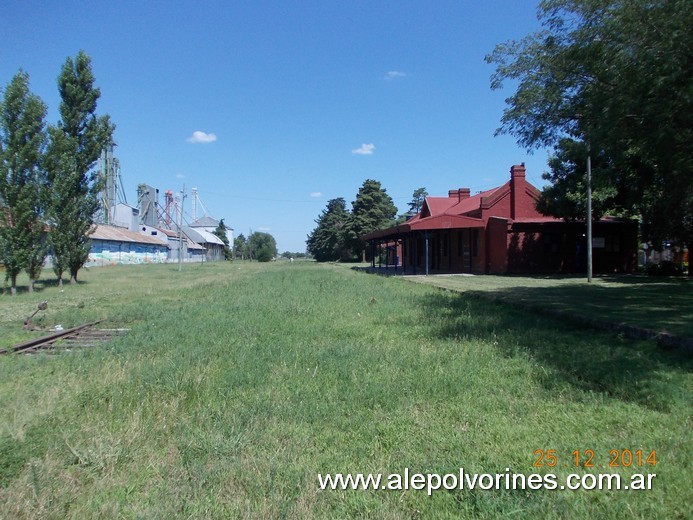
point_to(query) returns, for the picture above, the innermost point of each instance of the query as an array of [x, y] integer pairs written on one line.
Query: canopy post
[[426, 234]]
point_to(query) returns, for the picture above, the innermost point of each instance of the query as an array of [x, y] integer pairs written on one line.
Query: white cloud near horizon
[[394, 74], [201, 137], [316, 194], [180, 176], [365, 149]]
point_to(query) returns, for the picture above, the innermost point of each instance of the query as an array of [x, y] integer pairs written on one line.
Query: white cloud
[[180, 176], [365, 149], [264, 229], [316, 194], [201, 137], [394, 74]]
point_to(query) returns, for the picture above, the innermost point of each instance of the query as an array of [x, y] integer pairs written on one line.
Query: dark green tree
[[373, 209], [417, 200], [615, 75], [415, 205], [240, 247], [22, 181], [75, 145], [565, 196], [328, 241], [262, 246], [220, 232]]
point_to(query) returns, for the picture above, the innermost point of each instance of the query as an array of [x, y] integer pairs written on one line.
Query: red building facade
[[500, 231]]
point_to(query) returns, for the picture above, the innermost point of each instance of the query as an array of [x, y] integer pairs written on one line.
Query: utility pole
[[180, 231], [589, 219]]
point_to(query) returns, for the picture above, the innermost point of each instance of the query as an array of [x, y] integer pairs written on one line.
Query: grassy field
[[662, 304], [239, 383]]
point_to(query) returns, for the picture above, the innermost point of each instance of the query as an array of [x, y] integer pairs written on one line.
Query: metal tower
[[112, 191], [147, 201], [194, 204], [168, 215]]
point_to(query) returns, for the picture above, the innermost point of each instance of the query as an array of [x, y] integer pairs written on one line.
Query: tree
[[240, 247], [373, 209], [418, 198], [75, 145], [220, 232], [328, 241], [262, 246], [289, 254], [565, 196], [22, 181], [615, 78]]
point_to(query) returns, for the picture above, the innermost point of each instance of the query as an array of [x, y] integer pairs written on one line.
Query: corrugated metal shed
[[169, 233], [205, 221], [202, 236], [117, 234], [172, 234], [192, 245]]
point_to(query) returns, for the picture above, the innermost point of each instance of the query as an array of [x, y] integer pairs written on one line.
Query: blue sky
[[271, 108]]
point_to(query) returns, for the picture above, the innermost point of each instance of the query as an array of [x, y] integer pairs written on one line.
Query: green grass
[[656, 303], [239, 383]]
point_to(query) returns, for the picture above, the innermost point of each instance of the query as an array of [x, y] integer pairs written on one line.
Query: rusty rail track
[[82, 336]]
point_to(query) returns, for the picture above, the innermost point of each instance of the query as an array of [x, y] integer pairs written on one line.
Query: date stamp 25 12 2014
[[586, 458]]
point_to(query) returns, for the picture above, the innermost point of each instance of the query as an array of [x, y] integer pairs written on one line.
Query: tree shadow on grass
[[661, 306], [41, 285], [588, 359]]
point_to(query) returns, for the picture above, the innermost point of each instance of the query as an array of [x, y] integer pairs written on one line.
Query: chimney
[[460, 194], [517, 189]]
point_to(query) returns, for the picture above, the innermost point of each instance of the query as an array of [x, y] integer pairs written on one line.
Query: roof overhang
[[117, 234], [438, 222]]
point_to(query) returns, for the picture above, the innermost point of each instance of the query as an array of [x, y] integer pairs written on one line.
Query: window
[[551, 242], [612, 243]]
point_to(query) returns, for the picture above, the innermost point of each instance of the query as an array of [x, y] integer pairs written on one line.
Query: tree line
[[337, 236], [49, 191]]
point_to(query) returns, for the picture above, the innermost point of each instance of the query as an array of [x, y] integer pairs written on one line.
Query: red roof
[[459, 210], [537, 220], [437, 206], [434, 206], [444, 221]]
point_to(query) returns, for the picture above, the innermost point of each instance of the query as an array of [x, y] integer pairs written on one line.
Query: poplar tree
[[22, 181], [75, 145]]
